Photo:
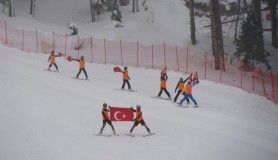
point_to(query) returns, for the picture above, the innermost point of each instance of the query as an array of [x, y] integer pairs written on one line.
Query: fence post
[[152, 55], [53, 44], [272, 84], [221, 69], [121, 53], [263, 83], [177, 55], [186, 60], [37, 43], [78, 46], [206, 64], [66, 41], [164, 51], [240, 78], [22, 45], [6, 34], [137, 52], [104, 51], [91, 49], [253, 81]]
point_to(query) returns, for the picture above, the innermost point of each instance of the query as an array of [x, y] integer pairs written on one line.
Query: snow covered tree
[[11, 8], [135, 7], [250, 48], [192, 23], [111, 4], [96, 8], [116, 15], [216, 35]]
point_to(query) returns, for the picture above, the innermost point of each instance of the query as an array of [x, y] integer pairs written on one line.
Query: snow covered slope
[[50, 116]]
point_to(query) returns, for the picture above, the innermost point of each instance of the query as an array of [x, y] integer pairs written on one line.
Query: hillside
[[49, 115]]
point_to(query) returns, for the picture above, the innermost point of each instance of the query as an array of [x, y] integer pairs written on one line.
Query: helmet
[[138, 106], [125, 67], [181, 79]]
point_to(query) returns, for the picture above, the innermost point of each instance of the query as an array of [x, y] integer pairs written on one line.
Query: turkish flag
[[121, 114]]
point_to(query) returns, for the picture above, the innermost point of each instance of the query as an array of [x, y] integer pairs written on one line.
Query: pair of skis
[[178, 105], [130, 135]]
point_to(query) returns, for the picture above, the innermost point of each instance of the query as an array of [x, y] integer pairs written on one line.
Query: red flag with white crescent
[[121, 114], [117, 69]]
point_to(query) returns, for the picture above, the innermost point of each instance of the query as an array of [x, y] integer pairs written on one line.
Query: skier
[[163, 79], [81, 66], [180, 86], [126, 79], [139, 119], [187, 93], [52, 60], [106, 119]]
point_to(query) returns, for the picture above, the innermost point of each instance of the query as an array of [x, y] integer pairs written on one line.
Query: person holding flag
[[106, 119], [52, 60], [126, 78], [82, 63], [138, 119]]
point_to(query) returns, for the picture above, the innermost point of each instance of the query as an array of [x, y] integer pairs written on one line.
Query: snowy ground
[[50, 116]]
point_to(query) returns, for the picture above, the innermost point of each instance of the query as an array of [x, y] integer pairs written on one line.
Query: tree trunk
[[11, 8], [92, 10], [273, 22], [31, 7], [192, 22], [237, 19], [135, 6], [216, 35], [256, 4], [4, 5]]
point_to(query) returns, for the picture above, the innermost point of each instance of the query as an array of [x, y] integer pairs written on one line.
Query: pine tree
[[250, 44]]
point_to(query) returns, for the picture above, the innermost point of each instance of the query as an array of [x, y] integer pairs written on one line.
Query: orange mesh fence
[[135, 54]]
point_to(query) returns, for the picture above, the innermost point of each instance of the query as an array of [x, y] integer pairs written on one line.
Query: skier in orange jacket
[[187, 93], [52, 60], [180, 86], [106, 119], [126, 79], [138, 119], [163, 79], [82, 63]]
